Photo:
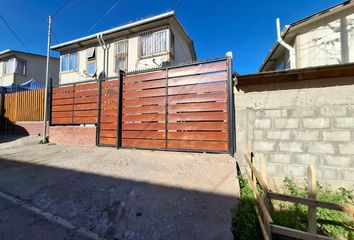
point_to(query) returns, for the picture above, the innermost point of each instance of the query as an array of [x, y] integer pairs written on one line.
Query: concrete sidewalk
[[120, 194]]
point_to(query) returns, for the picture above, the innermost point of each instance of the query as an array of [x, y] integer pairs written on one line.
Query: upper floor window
[[91, 61], [15, 65], [122, 55], [155, 42], [68, 62]]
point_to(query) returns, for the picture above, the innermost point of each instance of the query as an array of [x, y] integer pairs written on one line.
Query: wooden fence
[[264, 200], [25, 106], [183, 107]]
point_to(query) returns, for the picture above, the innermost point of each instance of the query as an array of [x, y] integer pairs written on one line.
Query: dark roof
[[9, 52]]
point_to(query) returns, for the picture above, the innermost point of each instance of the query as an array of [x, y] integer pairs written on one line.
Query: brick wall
[[29, 128], [73, 135], [296, 124]]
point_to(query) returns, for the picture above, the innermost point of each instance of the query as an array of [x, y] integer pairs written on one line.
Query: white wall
[[181, 50]]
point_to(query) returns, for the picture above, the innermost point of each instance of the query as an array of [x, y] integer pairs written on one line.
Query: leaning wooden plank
[[257, 174], [296, 233], [198, 69], [311, 202]]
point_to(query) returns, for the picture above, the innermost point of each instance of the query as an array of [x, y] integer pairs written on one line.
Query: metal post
[[50, 100], [44, 137], [120, 109], [231, 108], [98, 127]]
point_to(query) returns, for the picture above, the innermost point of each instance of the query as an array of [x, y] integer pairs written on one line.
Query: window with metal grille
[[121, 55], [155, 42]]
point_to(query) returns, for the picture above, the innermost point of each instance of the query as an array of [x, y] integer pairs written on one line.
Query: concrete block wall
[[295, 125]]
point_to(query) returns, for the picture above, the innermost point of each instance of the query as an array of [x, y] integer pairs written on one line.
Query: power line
[[178, 3], [14, 33], [209, 13], [99, 20], [61, 8]]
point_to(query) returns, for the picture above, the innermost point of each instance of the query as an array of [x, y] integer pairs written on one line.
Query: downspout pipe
[[292, 56], [104, 47]]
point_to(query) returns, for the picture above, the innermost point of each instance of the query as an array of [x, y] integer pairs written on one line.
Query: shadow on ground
[[115, 208]]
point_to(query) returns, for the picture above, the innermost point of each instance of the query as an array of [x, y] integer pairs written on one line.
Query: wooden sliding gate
[[179, 108], [187, 108]]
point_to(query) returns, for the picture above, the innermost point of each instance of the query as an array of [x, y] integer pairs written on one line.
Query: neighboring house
[[17, 67], [325, 38], [152, 42]]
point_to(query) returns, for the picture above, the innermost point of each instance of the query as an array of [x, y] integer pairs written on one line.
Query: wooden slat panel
[[62, 114], [194, 107], [86, 113], [88, 93], [111, 97], [144, 134], [146, 109], [145, 85], [193, 116], [108, 126], [199, 88], [145, 93], [109, 91], [62, 108], [89, 106], [144, 77], [145, 101], [57, 102], [113, 105], [110, 84], [63, 89], [144, 117], [86, 100], [198, 69], [193, 98], [143, 126], [109, 119], [78, 120], [216, 136], [220, 76], [62, 120], [198, 145], [105, 134], [198, 126], [108, 141], [142, 143], [86, 86], [63, 95], [109, 112]]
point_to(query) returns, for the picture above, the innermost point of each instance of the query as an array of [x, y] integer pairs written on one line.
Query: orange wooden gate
[[179, 108]]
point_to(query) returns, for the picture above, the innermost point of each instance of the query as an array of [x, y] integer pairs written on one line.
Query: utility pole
[[44, 137]]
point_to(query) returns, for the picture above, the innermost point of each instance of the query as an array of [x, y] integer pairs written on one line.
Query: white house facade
[[148, 43]]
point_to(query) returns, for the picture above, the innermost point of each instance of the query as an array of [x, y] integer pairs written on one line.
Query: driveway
[[66, 192]]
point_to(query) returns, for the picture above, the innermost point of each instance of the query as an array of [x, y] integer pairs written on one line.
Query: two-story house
[[148, 43], [17, 67], [324, 38]]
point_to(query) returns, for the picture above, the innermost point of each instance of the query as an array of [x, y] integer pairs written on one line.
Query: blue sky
[[247, 28]]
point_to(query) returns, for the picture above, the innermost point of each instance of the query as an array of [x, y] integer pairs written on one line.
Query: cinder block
[[348, 175], [330, 111], [316, 123], [328, 173], [260, 146], [258, 134], [291, 147], [347, 148], [344, 122], [277, 113], [340, 136], [337, 161], [297, 171], [316, 147], [305, 159], [279, 158], [275, 169], [281, 135], [286, 123], [307, 135], [262, 123], [304, 112]]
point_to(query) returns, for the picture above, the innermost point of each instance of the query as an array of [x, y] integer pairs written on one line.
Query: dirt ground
[[67, 192]]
